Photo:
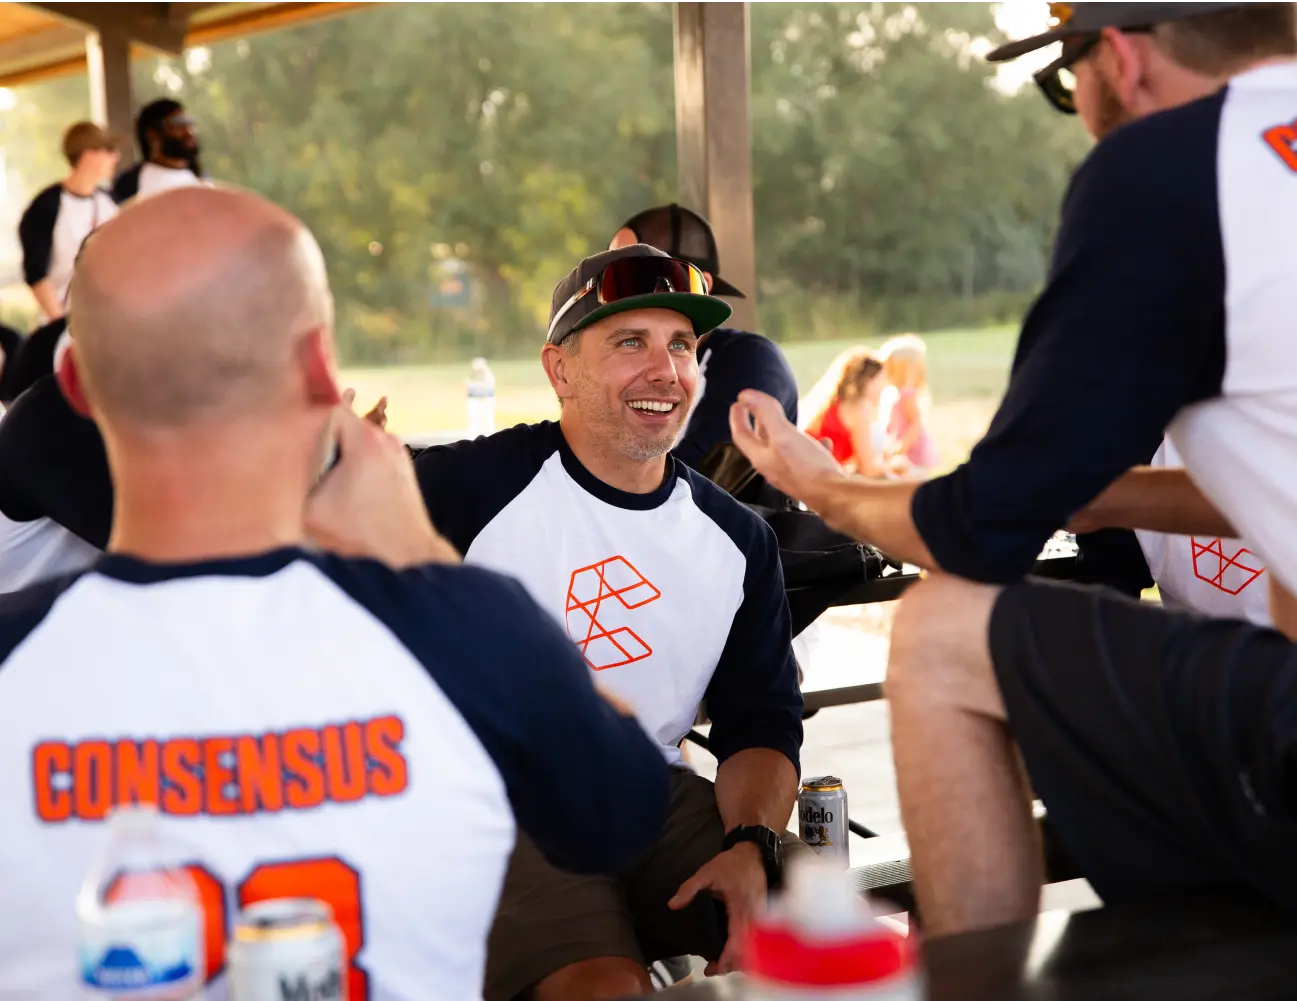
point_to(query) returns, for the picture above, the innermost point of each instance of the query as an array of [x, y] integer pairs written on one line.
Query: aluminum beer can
[[822, 814], [287, 950]]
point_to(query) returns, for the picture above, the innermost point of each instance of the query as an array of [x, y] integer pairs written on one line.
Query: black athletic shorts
[[1163, 744]]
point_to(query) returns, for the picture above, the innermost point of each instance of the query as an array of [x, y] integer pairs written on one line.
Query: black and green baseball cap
[[1078, 20], [635, 277]]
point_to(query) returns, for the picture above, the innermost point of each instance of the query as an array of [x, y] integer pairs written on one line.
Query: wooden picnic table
[[1190, 947]]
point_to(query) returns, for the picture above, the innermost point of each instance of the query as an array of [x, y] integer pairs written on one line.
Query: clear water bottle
[[821, 941], [139, 916], [481, 400]]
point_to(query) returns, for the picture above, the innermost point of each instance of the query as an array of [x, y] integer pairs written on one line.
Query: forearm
[[43, 291], [1156, 499], [756, 786], [876, 513]]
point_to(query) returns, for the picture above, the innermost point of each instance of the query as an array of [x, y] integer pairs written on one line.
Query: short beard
[[1111, 114], [606, 426]]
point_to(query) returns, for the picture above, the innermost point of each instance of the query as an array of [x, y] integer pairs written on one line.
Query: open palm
[[789, 459]]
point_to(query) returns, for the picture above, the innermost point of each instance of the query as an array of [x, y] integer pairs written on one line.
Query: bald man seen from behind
[[362, 724]]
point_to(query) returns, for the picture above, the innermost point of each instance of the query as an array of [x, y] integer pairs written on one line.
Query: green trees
[[456, 159]]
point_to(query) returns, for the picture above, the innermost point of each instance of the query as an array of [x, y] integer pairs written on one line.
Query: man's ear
[[707, 280], [315, 362], [558, 363], [1123, 62], [69, 379]]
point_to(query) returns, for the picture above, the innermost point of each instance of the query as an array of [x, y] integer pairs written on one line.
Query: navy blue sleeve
[[53, 465], [22, 611], [1129, 330], [517, 679], [36, 359], [36, 233], [734, 360], [127, 185], [465, 485], [753, 699], [11, 343]]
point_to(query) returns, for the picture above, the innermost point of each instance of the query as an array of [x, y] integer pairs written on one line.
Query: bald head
[[191, 307]]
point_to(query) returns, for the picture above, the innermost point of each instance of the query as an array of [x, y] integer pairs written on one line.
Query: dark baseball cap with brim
[[685, 235], [578, 294], [1078, 20]]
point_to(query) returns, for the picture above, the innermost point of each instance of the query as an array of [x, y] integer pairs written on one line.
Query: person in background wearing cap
[[64, 214], [1161, 742], [729, 360], [169, 144], [673, 592]]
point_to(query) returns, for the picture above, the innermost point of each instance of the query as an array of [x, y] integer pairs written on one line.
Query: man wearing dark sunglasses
[[1161, 743], [673, 592]]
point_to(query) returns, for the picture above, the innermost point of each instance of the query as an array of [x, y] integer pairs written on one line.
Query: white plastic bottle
[[821, 942], [481, 400], [139, 917]]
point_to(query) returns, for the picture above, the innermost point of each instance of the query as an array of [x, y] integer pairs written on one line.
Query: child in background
[[842, 411], [908, 402]]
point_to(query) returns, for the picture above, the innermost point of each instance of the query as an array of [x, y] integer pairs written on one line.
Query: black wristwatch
[[770, 845]]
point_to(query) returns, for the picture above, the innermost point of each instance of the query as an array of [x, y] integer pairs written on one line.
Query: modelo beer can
[[822, 813], [287, 950]]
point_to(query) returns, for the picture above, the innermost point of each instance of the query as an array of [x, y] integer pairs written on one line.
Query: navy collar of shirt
[[596, 487]]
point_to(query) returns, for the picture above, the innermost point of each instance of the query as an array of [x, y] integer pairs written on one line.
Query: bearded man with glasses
[[1163, 744]]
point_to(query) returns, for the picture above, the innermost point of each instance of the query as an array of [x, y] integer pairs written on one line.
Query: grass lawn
[[967, 369]]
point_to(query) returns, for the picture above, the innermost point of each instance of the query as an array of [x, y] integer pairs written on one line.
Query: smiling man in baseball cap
[[672, 590], [1160, 741]]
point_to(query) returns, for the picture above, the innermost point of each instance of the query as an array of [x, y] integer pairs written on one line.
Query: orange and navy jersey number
[[234, 775], [328, 879]]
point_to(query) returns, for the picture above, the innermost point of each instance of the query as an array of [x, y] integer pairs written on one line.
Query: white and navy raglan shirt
[[308, 726], [1216, 576], [52, 230], [149, 178], [672, 597], [1171, 303]]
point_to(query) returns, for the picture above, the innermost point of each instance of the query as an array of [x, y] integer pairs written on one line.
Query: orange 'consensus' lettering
[[221, 775]]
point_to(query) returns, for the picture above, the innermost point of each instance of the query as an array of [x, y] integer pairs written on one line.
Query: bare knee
[[940, 651], [599, 979]]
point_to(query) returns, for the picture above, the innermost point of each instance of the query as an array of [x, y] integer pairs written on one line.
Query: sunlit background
[[456, 159]]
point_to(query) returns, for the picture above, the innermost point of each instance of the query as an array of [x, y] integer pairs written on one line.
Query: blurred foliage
[[429, 143]]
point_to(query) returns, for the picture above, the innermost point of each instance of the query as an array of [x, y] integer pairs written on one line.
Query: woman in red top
[[842, 412]]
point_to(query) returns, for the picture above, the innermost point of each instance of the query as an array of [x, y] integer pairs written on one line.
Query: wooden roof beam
[[155, 25], [41, 48]]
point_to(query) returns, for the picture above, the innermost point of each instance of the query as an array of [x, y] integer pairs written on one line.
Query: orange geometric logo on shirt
[[1283, 140], [589, 588], [1228, 573]]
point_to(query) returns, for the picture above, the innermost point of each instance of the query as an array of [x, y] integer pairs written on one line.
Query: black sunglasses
[[1057, 81]]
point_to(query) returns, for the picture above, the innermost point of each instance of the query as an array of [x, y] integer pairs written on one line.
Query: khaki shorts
[[549, 919]]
